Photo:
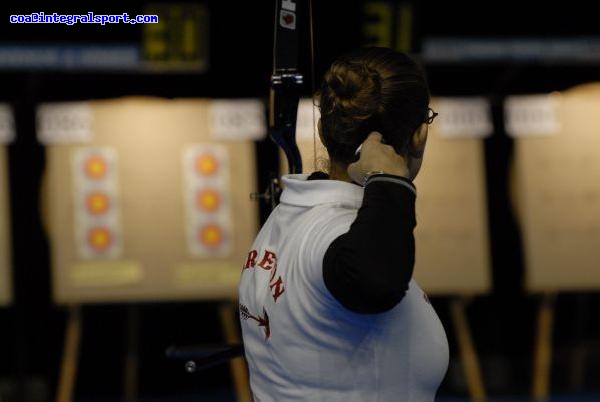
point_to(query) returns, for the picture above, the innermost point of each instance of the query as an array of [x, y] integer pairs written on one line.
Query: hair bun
[[354, 87], [371, 89]]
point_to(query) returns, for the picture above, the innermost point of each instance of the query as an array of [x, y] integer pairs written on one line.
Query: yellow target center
[[208, 200], [97, 203], [211, 236], [95, 167], [207, 165], [100, 239]]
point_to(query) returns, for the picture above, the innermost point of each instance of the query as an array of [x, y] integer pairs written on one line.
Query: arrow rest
[[271, 194]]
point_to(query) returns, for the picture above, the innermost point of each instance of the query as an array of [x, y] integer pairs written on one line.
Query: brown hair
[[372, 89]]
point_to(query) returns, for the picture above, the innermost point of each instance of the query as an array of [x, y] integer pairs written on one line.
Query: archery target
[[152, 203], [555, 187], [452, 235], [95, 190], [208, 214]]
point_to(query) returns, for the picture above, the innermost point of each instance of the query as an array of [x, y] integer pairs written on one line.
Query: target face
[[100, 239], [208, 200], [97, 203], [95, 167], [210, 236], [207, 165], [97, 220]]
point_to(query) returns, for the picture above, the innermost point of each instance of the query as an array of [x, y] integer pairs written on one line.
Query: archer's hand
[[377, 157]]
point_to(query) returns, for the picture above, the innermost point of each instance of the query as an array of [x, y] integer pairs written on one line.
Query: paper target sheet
[[556, 187], [148, 200]]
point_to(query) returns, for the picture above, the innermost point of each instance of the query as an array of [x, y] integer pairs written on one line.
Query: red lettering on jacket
[[277, 288], [268, 263], [269, 260], [251, 261]]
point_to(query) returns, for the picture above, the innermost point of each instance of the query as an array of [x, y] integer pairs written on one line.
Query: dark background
[[241, 40]]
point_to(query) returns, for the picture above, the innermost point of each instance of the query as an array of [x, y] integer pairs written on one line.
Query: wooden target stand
[[70, 359], [128, 133], [467, 349], [72, 343], [558, 232], [542, 361], [543, 348]]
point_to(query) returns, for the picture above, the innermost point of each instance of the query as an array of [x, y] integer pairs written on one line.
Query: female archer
[[329, 308]]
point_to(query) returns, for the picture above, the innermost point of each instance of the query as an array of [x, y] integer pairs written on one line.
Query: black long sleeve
[[368, 268]]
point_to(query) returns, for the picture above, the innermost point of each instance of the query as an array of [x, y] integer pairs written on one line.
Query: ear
[[418, 141]]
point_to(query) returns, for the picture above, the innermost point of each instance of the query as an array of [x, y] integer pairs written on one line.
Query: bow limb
[[286, 83], [283, 100]]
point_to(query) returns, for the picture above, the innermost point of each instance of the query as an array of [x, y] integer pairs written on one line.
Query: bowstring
[[312, 79]]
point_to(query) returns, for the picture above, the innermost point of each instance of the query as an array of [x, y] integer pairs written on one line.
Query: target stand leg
[[467, 351], [131, 363], [70, 359], [239, 370], [542, 364]]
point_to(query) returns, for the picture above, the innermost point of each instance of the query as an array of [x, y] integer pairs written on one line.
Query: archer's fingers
[[374, 137]]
